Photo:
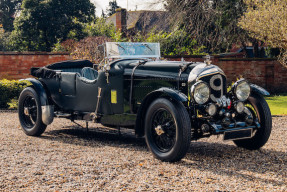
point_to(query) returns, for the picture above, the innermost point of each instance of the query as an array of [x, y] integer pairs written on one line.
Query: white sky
[[132, 4]]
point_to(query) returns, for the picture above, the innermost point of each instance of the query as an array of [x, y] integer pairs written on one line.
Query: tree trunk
[[256, 48]]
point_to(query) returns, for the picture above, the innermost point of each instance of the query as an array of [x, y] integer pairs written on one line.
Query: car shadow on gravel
[[226, 159], [95, 137], [220, 158]]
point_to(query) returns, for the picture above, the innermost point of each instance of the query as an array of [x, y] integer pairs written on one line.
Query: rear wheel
[[259, 108], [167, 130], [30, 113]]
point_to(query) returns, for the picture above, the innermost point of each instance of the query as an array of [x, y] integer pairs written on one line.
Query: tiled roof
[[145, 20]]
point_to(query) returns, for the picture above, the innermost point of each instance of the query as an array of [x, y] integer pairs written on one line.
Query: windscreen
[[132, 50]]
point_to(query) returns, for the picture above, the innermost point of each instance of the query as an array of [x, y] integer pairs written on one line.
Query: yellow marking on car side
[[114, 96]]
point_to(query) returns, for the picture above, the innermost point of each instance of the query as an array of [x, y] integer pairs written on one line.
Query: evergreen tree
[[8, 9], [44, 22], [103, 14], [113, 5]]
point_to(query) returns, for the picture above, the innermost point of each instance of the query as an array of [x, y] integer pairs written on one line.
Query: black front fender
[[259, 90], [177, 95], [162, 92]]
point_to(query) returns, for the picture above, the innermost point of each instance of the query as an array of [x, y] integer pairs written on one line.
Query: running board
[[63, 115]]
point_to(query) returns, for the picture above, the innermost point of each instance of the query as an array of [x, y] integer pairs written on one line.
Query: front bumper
[[218, 129], [235, 131]]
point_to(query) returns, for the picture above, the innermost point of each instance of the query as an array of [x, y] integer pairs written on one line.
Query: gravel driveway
[[68, 158]]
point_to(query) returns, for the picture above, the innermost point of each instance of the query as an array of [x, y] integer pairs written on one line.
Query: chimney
[[121, 20]]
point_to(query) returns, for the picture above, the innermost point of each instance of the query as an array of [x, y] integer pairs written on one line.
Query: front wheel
[[261, 110], [30, 112], [167, 130]]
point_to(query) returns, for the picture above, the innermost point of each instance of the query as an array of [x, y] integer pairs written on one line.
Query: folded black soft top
[[49, 70], [70, 64], [43, 72]]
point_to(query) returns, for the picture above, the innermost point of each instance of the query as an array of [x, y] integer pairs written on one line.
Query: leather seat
[[89, 73]]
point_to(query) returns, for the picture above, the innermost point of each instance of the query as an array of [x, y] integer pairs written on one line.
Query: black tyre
[[260, 109], [30, 113], [167, 130]]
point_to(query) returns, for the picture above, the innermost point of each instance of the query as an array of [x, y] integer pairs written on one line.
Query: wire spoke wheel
[[164, 130], [30, 113], [254, 113], [252, 110], [167, 129], [261, 112]]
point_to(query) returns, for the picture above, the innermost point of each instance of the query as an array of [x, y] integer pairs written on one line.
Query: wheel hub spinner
[[26, 111], [159, 130]]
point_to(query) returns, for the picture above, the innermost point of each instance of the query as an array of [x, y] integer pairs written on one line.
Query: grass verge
[[277, 104]]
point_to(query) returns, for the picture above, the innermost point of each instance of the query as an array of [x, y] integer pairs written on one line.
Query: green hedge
[[10, 90]]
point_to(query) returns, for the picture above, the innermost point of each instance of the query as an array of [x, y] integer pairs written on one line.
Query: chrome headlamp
[[200, 92], [239, 107], [241, 90], [211, 109]]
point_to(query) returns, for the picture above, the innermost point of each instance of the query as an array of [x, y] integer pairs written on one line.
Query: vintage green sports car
[[170, 103]]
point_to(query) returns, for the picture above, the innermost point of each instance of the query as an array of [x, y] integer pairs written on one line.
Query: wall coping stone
[[185, 56], [34, 53], [220, 57], [247, 59]]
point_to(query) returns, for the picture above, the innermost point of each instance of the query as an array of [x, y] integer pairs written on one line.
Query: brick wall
[[267, 73], [17, 65]]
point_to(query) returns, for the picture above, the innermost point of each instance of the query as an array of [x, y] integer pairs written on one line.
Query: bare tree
[[213, 23], [267, 21]]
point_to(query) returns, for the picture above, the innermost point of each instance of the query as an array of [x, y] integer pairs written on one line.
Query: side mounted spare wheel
[[167, 130], [30, 112]]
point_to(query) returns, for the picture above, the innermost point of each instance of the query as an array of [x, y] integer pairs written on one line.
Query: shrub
[[88, 49], [11, 89], [13, 104], [65, 46], [100, 27], [4, 40], [177, 42]]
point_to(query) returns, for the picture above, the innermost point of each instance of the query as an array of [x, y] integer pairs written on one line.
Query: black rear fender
[[47, 110], [40, 90], [159, 93]]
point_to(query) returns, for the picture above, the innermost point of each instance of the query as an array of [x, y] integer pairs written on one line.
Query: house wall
[[17, 65], [267, 73]]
